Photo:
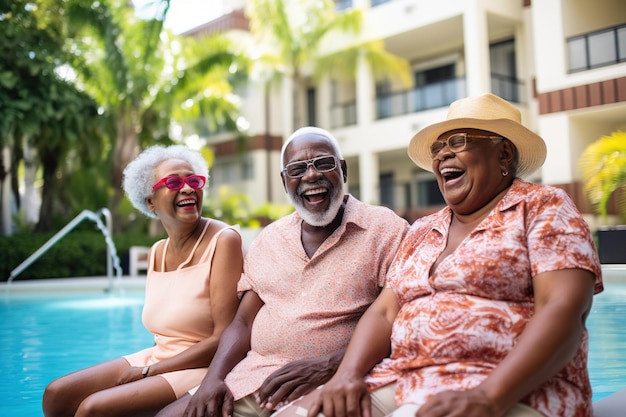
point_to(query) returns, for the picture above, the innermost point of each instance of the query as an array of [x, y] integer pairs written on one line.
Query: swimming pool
[[45, 336], [607, 335]]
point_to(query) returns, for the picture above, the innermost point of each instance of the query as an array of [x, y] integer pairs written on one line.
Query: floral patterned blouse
[[456, 325]]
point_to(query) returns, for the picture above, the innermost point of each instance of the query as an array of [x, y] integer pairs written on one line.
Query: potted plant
[[603, 165]]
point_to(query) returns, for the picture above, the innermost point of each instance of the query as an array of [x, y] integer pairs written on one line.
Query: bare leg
[[94, 391], [177, 408], [62, 396], [142, 398]]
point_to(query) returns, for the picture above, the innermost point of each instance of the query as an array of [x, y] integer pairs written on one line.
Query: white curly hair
[[138, 177]]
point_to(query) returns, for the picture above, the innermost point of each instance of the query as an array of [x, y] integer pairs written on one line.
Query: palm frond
[[343, 65]]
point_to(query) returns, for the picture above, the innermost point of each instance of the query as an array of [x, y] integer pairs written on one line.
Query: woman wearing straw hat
[[485, 305]]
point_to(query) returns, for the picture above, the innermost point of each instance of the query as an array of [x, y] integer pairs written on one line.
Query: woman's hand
[[345, 395], [132, 373], [470, 403]]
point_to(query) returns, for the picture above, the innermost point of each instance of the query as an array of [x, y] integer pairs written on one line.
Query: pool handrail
[[112, 257]]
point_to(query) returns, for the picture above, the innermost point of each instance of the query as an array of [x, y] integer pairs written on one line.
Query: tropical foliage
[[49, 125], [292, 34], [603, 165], [88, 86], [236, 208], [142, 76]]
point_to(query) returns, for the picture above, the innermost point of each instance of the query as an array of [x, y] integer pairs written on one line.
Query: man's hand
[[345, 395], [211, 397], [296, 379]]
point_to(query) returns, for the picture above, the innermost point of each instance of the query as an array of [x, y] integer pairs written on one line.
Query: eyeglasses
[[321, 164], [457, 142], [174, 182]]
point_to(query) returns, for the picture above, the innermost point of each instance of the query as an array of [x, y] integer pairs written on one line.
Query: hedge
[[80, 253]]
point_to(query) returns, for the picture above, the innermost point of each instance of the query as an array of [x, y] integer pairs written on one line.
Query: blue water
[[46, 336], [607, 340], [43, 337]]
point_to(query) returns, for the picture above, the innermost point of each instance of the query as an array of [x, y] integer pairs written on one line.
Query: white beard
[[319, 219]]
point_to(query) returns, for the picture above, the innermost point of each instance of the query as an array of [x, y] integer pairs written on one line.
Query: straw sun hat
[[485, 112]]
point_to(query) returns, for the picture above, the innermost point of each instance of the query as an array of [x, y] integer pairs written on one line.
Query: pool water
[[607, 339], [46, 336]]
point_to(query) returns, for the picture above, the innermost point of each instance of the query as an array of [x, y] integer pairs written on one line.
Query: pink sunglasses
[[175, 182]]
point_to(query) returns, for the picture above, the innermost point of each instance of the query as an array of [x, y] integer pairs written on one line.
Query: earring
[[505, 173]]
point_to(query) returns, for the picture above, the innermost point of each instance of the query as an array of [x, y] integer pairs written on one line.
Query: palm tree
[[139, 74], [49, 125], [294, 31], [603, 165]]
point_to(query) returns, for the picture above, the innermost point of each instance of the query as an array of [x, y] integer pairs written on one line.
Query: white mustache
[[303, 188]]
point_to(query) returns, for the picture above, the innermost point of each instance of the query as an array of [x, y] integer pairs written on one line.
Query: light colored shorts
[[383, 404]]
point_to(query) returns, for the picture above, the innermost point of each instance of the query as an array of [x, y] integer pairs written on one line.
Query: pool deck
[[614, 273], [79, 284], [610, 273]]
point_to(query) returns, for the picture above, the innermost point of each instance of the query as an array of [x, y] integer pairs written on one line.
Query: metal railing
[[113, 260], [597, 49], [431, 96], [421, 98]]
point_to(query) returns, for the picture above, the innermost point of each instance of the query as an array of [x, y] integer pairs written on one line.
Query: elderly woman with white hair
[[191, 296]]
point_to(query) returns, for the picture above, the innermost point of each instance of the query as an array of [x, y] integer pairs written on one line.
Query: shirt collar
[[441, 220]]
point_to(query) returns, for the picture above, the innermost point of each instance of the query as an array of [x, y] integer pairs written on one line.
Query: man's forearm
[[233, 347]]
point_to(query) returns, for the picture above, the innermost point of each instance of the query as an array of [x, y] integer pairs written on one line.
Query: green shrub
[[80, 253]]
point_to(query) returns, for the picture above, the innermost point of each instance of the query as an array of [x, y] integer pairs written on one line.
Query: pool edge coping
[[610, 273]]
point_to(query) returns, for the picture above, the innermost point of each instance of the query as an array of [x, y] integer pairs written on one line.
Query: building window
[[435, 87], [311, 107], [504, 81], [428, 193], [342, 113], [247, 167], [597, 49], [225, 172], [232, 170], [386, 190], [384, 104]]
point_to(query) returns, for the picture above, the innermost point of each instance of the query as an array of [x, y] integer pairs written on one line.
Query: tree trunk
[[126, 148], [49, 163], [5, 193], [30, 202]]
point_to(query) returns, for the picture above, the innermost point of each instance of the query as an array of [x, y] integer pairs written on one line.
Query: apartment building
[[562, 62]]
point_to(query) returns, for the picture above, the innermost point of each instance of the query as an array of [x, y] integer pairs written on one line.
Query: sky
[[183, 14]]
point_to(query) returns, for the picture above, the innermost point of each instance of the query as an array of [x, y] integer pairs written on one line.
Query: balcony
[[597, 49], [343, 114], [509, 88], [430, 96], [423, 98]]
